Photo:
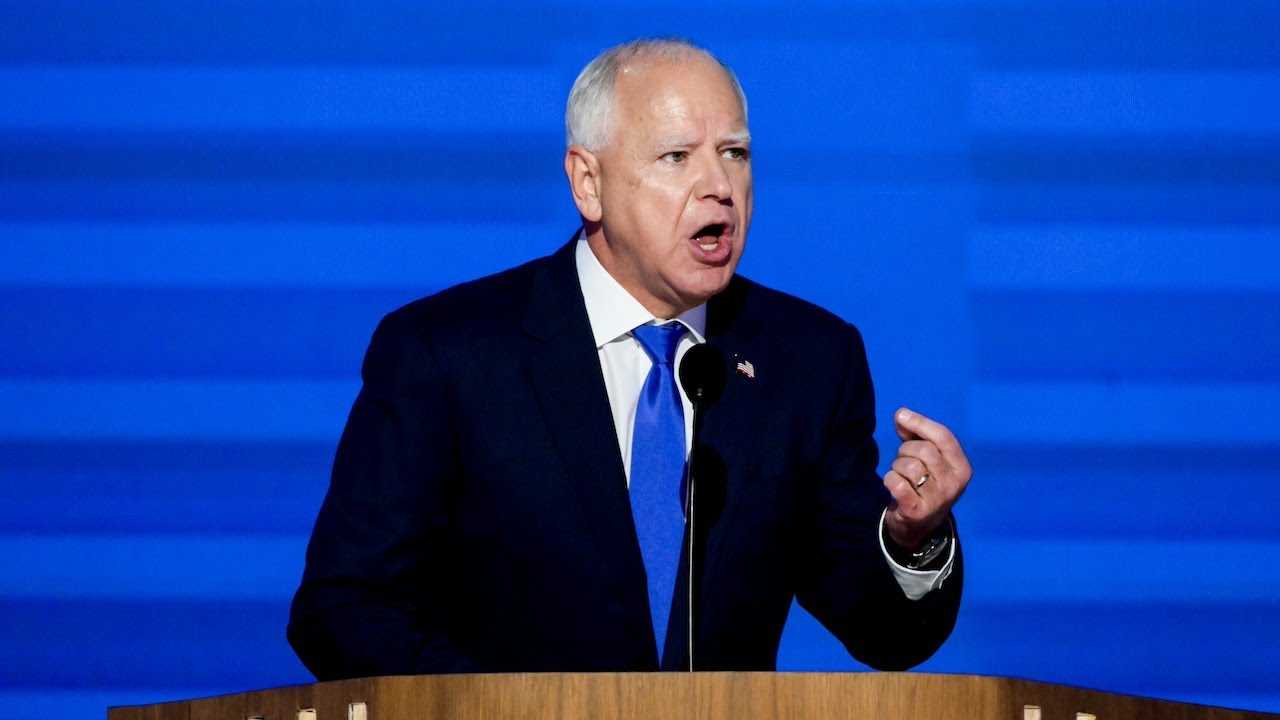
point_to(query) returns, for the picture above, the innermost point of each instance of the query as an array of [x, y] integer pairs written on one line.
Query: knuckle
[[896, 486]]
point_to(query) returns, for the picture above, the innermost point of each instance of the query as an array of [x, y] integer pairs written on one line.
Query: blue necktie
[[657, 470]]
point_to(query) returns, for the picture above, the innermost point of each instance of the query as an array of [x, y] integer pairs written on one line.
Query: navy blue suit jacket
[[478, 520]]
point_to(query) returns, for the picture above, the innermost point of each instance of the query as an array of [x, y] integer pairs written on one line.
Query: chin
[[709, 282]]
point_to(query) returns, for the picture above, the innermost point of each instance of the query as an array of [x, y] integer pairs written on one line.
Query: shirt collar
[[611, 310]]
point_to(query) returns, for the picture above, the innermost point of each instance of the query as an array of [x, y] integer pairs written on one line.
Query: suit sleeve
[[845, 580], [373, 597]]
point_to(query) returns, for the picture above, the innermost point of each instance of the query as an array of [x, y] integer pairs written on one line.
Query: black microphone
[[702, 375]]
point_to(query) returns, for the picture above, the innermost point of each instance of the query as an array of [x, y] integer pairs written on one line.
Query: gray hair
[[588, 114]]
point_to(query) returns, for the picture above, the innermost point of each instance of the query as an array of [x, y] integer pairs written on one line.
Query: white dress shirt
[[613, 313]]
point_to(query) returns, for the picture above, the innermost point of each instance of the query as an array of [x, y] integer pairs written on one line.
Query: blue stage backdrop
[[1057, 224]]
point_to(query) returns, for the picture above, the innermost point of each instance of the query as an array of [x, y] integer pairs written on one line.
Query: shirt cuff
[[916, 584]]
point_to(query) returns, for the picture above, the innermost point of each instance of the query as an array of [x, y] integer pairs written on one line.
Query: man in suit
[[510, 494]]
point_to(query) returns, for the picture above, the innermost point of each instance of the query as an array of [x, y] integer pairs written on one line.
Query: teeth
[[709, 246]]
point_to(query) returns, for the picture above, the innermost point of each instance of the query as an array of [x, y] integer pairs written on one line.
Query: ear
[[582, 168]]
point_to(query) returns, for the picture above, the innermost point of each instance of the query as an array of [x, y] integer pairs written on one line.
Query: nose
[[713, 182]]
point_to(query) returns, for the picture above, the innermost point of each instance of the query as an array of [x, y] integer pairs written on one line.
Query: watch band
[[933, 548], [930, 551]]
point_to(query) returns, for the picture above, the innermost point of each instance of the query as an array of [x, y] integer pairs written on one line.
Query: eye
[[736, 153], [676, 156]]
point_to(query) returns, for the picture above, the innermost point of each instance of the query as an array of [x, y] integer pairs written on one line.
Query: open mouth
[[710, 236]]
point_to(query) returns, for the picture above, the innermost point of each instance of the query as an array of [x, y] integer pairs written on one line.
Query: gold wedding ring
[[923, 479]]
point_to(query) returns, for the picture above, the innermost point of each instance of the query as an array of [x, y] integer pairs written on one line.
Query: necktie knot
[[660, 341]]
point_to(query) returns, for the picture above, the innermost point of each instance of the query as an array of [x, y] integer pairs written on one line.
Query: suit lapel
[[731, 424], [564, 371]]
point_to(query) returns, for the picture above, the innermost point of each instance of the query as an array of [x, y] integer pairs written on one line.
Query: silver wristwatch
[[930, 551]]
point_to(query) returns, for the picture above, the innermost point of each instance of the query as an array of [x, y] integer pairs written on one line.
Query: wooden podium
[[712, 695]]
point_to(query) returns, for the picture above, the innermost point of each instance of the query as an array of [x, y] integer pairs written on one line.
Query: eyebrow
[[678, 141]]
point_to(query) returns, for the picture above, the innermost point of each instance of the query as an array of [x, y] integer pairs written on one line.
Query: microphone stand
[[702, 377], [696, 402]]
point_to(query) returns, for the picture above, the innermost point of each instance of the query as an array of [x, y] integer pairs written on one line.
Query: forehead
[[672, 94]]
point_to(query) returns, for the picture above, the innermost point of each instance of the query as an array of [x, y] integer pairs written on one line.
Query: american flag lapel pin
[[746, 369]]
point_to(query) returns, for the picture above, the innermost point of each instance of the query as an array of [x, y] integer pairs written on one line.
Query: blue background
[[1056, 224]]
